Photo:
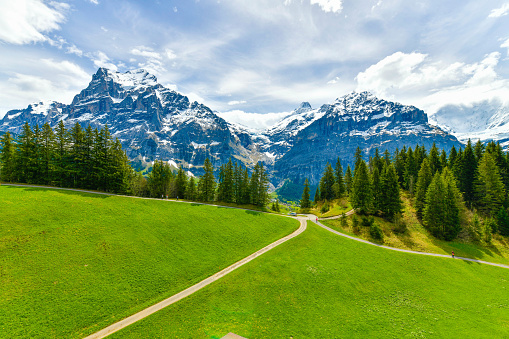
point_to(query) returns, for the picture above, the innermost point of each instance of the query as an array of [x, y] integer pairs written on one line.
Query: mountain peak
[[130, 79]]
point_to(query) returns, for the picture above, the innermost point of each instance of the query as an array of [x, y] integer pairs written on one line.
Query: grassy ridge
[[72, 263], [320, 285]]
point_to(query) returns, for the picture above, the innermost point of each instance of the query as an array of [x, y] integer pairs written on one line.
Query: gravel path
[[154, 308], [409, 251]]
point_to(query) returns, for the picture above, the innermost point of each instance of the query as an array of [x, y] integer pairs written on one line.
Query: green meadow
[[321, 285], [72, 263]]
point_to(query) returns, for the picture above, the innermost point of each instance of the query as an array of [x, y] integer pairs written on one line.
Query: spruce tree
[[390, 202], [362, 196], [190, 193], [434, 160], [159, 179], [348, 180], [181, 183], [304, 201], [317, 195], [339, 181], [503, 222], [25, 155], [62, 155], [423, 180], [207, 184], [468, 167], [327, 184], [377, 189], [48, 152], [489, 188], [7, 158]]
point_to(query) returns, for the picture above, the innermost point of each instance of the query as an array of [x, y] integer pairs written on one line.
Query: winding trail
[[188, 291], [406, 251]]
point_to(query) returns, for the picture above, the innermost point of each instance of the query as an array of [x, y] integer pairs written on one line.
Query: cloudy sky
[[260, 56]]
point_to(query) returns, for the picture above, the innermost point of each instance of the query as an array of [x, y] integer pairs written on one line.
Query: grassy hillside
[[72, 263], [417, 238], [320, 285]]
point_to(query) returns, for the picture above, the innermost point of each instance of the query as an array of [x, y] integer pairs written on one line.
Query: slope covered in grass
[[321, 285], [417, 238], [72, 263]]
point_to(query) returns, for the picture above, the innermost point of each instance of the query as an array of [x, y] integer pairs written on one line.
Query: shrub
[[367, 221], [355, 225], [343, 221], [376, 232], [400, 225], [325, 207]]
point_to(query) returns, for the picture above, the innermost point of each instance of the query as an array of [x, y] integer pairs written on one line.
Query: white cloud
[[498, 12], [49, 80], [416, 79], [100, 59], [335, 6], [145, 52], [26, 21], [333, 81], [253, 120], [95, 2], [236, 102], [175, 9], [505, 44], [74, 50], [170, 54]]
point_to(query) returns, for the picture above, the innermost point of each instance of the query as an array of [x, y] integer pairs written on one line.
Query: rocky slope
[[357, 119], [151, 121]]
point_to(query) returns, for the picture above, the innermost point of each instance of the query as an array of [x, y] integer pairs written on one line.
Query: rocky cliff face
[[356, 120], [154, 122], [151, 121]]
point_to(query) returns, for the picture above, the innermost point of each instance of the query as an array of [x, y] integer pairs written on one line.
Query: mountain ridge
[[154, 122]]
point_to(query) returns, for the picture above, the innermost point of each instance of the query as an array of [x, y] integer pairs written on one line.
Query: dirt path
[[409, 251], [154, 308], [350, 212]]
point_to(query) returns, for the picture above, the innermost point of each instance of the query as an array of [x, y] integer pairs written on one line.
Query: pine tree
[[304, 201], [423, 180], [48, 152], [338, 178], [348, 180], [327, 184], [190, 192], [121, 170], [159, 179], [207, 184], [317, 195], [245, 190], [434, 160], [489, 188], [468, 167], [377, 189], [390, 202], [410, 172], [503, 221], [362, 196], [181, 183], [358, 158], [441, 212], [478, 150], [25, 155], [7, 158], [61, 155]]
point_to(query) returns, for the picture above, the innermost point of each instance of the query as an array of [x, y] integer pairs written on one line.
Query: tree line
[[92, 159], [442, 186]]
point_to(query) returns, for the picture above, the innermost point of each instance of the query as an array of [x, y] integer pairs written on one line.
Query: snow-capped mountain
[[151, 121], [357, 119], [154, 122], [487, 121], [281, 136]]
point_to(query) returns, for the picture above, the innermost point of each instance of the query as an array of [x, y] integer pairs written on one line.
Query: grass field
[[320, 285], [72, 263], [417, 238]]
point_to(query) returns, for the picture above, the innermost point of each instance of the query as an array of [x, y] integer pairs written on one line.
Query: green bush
[[367, 221], [376, 232], [325, 207]]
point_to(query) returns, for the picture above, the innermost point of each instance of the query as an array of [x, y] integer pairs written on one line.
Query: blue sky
[[241, 57]]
